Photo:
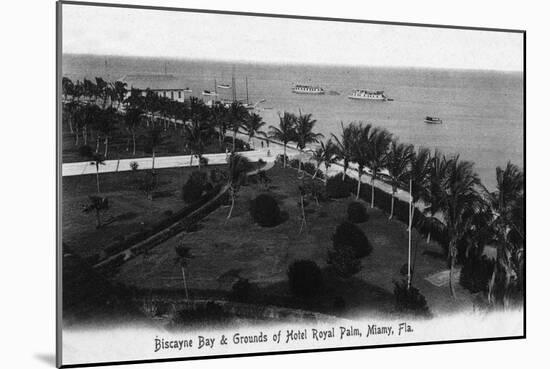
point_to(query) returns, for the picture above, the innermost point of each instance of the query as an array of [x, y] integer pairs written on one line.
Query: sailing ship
[[363, 94], [308, 90]]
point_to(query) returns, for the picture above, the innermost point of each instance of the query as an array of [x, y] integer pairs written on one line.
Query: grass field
[[130, 211], [224, 251]]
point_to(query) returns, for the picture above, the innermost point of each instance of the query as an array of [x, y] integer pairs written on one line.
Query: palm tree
[[324, 154], [360, 150], [103, 90], [253, 126], [397, 164], [378, 143], [237, 115], [460, 200], [119, 91], [106, 124], [97, 204], [67, 87], [303, 131], [344, 147], [433, 194], [285, 132], [184, 255], [195, 133], [155, 139], [507, 205], [132, 119], [97, 160], [239, 166], [218, 113], [418, 176]]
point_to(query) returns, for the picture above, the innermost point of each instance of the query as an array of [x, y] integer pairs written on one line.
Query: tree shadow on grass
[[337, 297]]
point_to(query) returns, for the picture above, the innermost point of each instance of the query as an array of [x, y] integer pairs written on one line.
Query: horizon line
[[294, 63]]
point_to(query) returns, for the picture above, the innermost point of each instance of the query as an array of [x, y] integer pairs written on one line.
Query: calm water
[[482, 111]]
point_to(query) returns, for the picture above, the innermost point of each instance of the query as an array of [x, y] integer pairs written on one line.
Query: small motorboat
[[209, 93], [433, 120]]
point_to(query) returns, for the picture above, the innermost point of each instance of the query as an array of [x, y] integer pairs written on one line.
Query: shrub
[[305, 278], [194, 187], [357, 213], [409, 299], [279, 159], [348, 234], [242, 291], [134, 166], [85, 151], [217, 176], [294, 163], [343, 261], [265, 210], [476, 273], [203, 161], [336, 188], [309, 168]]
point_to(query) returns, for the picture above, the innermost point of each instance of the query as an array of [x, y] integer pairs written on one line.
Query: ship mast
[[246, 82], [233, 85]]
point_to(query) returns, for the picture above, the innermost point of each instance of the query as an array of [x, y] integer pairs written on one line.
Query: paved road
[[266, 153]]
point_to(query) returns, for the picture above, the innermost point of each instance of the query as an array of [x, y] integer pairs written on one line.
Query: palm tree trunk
[[153, 164], [98, 218], [392, 203], [184, 283], [232, 203], [358, 185], [452, 254], [372, 192], [106, 145], [284, 155], [234, 138], [97, 178], [304, 223], [134, 142], [97, 144]]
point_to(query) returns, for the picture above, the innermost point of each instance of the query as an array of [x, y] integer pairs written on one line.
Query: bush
[[265, 211], [217, 176], [242, 291], [294, 163], [305, 278], [195, 186], [134, 166], [476, 273], [336, 188], [357, 213], [279, 159], [343, 261], [409, 299], [348, 234]]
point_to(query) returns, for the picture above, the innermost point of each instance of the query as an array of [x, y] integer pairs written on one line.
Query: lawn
[[225, 250], [129, 212]]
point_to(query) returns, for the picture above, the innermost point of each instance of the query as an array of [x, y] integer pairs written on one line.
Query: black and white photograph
[[234, 183]]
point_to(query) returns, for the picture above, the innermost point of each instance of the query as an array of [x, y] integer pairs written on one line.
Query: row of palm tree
[[87, 113], [454, 199]]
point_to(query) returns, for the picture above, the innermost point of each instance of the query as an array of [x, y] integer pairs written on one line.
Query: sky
[[155, 33]]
